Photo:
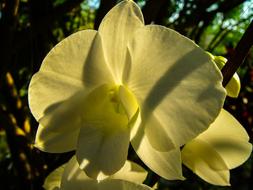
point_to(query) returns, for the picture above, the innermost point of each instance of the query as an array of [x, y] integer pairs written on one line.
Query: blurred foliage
[[30, 28]]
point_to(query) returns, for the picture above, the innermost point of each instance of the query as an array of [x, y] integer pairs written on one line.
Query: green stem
[[239, 55]]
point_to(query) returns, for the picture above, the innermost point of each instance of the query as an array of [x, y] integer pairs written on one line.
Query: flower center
[[110, 106]]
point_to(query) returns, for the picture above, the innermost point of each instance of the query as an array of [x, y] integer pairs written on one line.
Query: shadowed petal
[[53, 180], [229, 139], [131, 172], [121, 185], [101, 154], [166, 164], [223, 146], [203, 160], [55, 142], [104, 137], [75, 178]]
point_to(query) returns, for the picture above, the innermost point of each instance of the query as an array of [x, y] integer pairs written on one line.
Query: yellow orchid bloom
[[70, 176], [234, 85], [223, 146], [96, 91]]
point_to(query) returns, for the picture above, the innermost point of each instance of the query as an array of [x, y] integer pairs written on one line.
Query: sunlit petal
[[116, 29], [223, 146], [166, 164], [75, 178], [96, 70], [234, 85], [229, 139], [203, 160], [59, 128], [128, 101], [60, 75], [175, 81], [131, 172], [53, 180]]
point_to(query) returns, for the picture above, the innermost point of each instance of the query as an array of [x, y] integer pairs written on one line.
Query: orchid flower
[[96, 91], [223, 146], [234, 85], [70, 176]]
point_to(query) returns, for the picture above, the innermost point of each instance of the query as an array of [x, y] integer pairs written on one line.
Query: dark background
[[30, 28]]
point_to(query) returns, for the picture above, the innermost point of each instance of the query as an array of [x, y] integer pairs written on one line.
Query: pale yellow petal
[[121, 185], [166, 164], [101, 154], [55, 142], [61, 73], [104, 137], [59, 127], [175, 82], [53, 180], [229, 139], [234, 85], [128, 101], [75, 178], [131, 172], [116, 29], [204, 161], [96, 70], [157, 135]]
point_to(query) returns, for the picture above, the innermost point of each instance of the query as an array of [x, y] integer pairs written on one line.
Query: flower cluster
[[98, 91]]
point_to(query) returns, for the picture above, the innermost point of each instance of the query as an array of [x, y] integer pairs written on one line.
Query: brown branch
[[239, 55], [8, 24], [19, 149]]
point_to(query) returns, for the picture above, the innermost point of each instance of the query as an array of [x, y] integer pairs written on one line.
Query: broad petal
[[116, 29], [61, 73], [166, 164], [203, 160], [174, 80], [59, 128], [229, 139]]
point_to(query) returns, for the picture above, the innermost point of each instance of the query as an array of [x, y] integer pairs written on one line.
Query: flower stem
[[239, 55]]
